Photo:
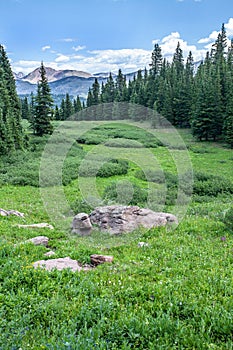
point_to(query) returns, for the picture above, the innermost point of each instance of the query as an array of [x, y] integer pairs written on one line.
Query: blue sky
[[104, 35]]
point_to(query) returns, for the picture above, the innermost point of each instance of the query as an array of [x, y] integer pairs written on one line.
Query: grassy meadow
[[175, 293]]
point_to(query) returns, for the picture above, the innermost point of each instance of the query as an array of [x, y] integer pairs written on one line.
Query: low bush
[[228, 218], [81, 206], [212, 187], [112, 167], [123, 143], [150, 175], [123, 193]]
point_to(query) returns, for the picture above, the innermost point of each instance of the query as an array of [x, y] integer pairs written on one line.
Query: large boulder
[[119, 219], [59, 264], [81, 225]]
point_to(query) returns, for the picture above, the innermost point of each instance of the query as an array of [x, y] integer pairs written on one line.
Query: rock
[[119, 219], [143, 244], [81, 225], [4, 212], [50, 253], [59, 264], [41, 225], [100, 259], [39, 240]]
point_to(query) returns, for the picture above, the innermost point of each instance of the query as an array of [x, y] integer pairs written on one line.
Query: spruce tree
[[12, 135], [43, 106]]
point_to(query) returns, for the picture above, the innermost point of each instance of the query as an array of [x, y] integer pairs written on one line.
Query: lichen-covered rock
[[119, 219], [39, 240], [81, 225]]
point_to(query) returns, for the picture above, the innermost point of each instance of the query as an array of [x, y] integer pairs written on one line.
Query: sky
[[105, 35]]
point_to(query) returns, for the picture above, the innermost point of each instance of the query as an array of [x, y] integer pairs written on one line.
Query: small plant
[[228, 218], [122, 193]]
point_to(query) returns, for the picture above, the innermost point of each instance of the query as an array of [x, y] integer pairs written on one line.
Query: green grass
[[174, 294]]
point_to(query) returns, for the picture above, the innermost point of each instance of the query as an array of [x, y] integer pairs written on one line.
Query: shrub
[[123, 194], [123, 143], [114, 167], [228, 218], [110, 168], [212, 187], [81, 206], [150, 175]]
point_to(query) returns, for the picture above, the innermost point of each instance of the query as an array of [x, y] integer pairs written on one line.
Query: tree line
[[200, 99]]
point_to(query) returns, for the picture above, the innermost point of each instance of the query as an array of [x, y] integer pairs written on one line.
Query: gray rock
[[40, 225], [81, 225], [39, 240], [50, 253], [143, 244], [4, 212], [97, 259], [119, 219], [59, 264]]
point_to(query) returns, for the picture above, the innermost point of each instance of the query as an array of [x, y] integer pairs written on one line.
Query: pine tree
[[12, 136], [77, 105], [96, 92], [43, 106], [156, 61], [25, 108], [69, 110], [89, 98], [57, 113], [228, 122], [120, 87]]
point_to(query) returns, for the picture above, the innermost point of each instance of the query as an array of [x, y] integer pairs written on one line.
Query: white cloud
[[169, 43], [211, 38], [68, 40], [62, 58], [128, 60], [214, 34], [46, 47], [25, 66], [229, 27], [78, 48]]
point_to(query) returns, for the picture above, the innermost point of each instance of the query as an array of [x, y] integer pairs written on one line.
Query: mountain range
[[61, 81]]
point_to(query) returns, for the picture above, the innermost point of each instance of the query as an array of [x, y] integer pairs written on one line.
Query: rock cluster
[[119, 219]]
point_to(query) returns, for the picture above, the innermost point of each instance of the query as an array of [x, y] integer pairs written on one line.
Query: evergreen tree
[[68, 110], [96, 92], [77, 105], [25, 108], [108, 95], [43, 107], [89, 98], [156, 61], [57, 113], [228, 122], [12, 135]]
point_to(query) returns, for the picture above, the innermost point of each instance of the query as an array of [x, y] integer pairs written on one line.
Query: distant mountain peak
[[53, 75]]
